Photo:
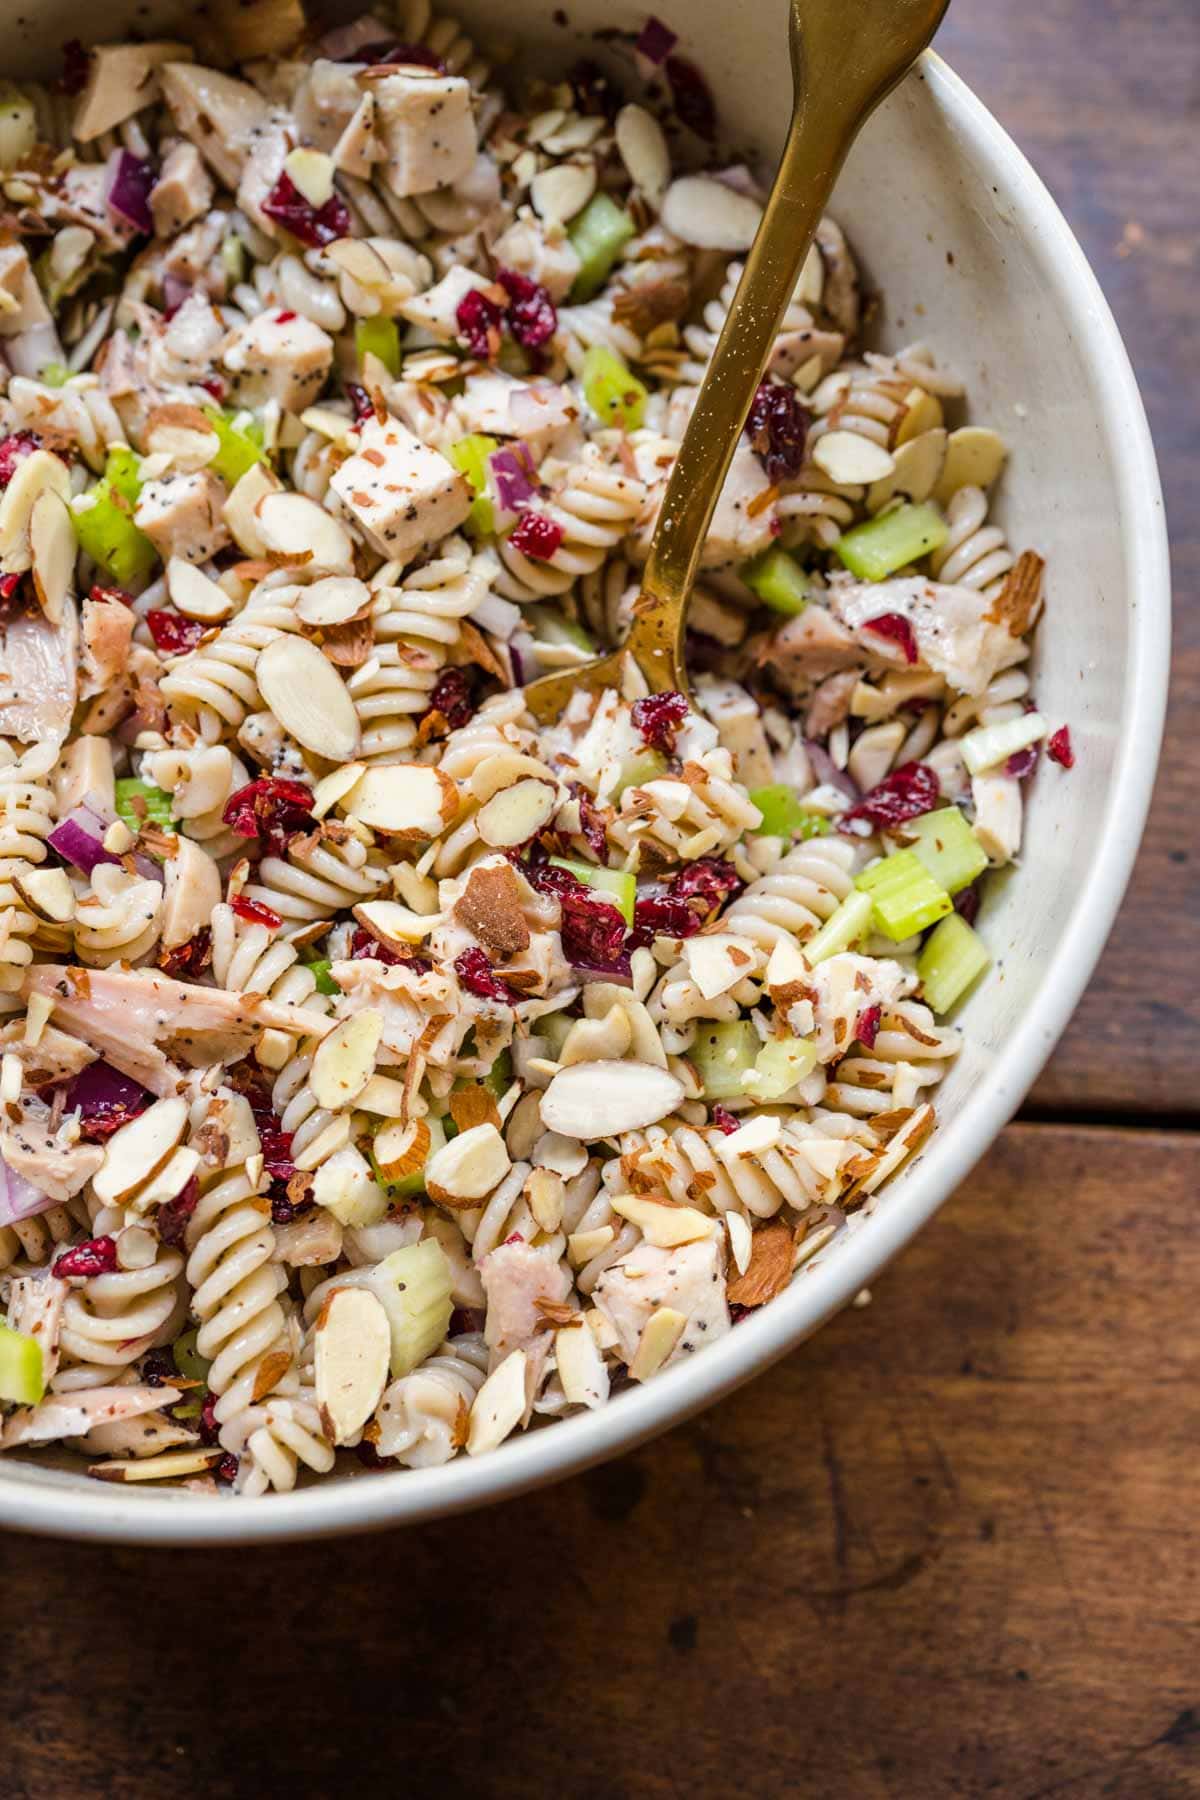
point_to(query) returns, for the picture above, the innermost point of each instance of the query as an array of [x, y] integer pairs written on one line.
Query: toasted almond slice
[[665, 1226], [311, 171], [600, 1099], [922, 413], [395, 925], [334, 787], [332, 600], [135, 1151], [345, 1186], [37, 1017], [498, 1406], [240, 511], [565, 1156], [409, 801], [501, 771], [718, 960], [642, 146], [48, 892], [327, 1143], [294, 525], [917, 467], [850, 459], [344, 1060], [166, 1183], [581, 1367], [974, 458], [352, 1344], [465, 1170], [308, 697], [383, 1095], [740, 1240], [181, 437], [562, 190], [516, 814], [401, 1150], [583, 1245], [709, 214], [195, 595], [34, 476], [52, 546], [811, 284], [137, 1247], [544, 1191], [664, 1329], [172, 1465]]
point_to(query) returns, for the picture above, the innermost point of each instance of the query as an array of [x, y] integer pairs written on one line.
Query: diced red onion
[[19, 1199], [79, 839], [827, 771], [98, 1088], [175, 292], [129, 189], [512, 477], [656, 41]]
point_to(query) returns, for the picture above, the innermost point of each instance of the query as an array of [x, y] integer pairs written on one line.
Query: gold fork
[[846, 56]]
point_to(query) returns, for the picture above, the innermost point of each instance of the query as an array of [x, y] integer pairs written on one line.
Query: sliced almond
[[345, 1186], [517, 813], [597, 1040], [664, 1226], [564, 1156], [502, 770], [544, 1191], [182, 436], [34, 476], [195, 595], [581, 1367], [352, 1345], [772, 1254], [642, 146], [499, 1405], [409, 801], [974, 458], [583, 1245], [717, 961], [311, 172], [917, 467], [333, 600], [166, 1183], [664, 1329], [709, 214], [240, 511], [401, 1150], [48, 893], [135, 1151], [334, 787], [292, 525], [53, 547], [172, 1465], [344, 1060], [562, 190], [383, 1095], [850, 459], [308, 697], [465, 1170], [922, 413], [394, 925], [327, 1143], [600, 1099], [740, 1237]]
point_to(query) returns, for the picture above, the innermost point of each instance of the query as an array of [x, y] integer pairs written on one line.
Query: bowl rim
[[46, 1504]]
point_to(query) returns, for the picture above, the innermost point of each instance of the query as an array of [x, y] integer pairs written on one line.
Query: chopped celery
[[905, 896], [122, 471], [413, 1286], [187, 1358], [469, 456], [107, 533], [778, 580], [878, 548], [783, 816], [549, 627], [851, 921], [233, 259], [240, 447], [613, 393], [637, 770], [54, 374], [952, 958], [157, 804], [408, 1185], [723, 1054], [498, 1079], [621, 884], [379, 337], [948, 847], [991, 744], [597, 236], [779, 1065], [555, 1028], [22, 1375], [319, 968]]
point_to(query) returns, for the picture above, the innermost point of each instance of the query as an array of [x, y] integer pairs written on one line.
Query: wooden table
[[950, 1547]]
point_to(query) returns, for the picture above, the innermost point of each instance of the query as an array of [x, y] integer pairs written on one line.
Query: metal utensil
[[846, 56]]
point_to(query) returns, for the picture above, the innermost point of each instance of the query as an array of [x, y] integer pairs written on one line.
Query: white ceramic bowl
[[968, 250]]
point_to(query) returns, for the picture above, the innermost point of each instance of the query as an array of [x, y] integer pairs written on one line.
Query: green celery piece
[[469, 456], [952, 957], [637, 770], [948, 847], [107, 533], [904, 895], [851, 921], [158, 804], [779, 1065], [598, 235], [614, 394], [320, 967], [413, 1286], [379, 337], [783, 816], [122, 471], [498, 1079], [408, 1185], [876, 549], [778, 580], [621, 884], [22, 1374], [555, 1028], [722, 1055], [551, 628], [240, 447], [187, 1358], [54, 374]]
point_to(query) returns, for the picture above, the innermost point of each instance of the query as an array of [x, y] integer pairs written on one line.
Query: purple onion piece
[[19, 1199], [827, 771], [656, 41], [99, 1087], [129, 190]]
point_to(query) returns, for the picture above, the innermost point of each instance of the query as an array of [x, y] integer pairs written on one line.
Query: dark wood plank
[[1103, 100], [946, 1549]]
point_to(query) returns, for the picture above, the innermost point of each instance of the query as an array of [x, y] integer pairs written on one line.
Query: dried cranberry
[[100, 1124], [592, 828], [692, 897], [1059, 748], [477, 976], [271, 810], [76, 65], [173, 1215], [173, 634], [866, 1028], [100, 591], [418, 56], [909, 790], [368, 1455], [593, 934], [777, 427], [966, 903], [1022, 762], [283, 1210], [187, 960], [14, 449], [531, 318], [478, 318], [98, 1256], [275, 1143], [254, 912], [212, 384], [898, 629], [360, 400], [312, 225], [10, 587], [157, 1369], [661, 916], [209, 1429], [226, 1470], [363, 944], [694, 104], [284, 318], [537, 536], [724, 1120], [452, 698], [658, 717], [710, 879]]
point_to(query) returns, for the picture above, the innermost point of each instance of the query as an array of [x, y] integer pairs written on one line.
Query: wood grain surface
[[948, 1548]]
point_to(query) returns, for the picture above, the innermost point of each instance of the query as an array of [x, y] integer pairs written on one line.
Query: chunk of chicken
[[689, 1279], [183, 191], [403, 495], [427, 129], [520, 1284], [192, 891], [279, 356], [955, 632], [26, 322], [843, 988], [745, 521], [998, 815], [83, 200], [547, 256], [107, 629], [830, 705], [35, 1308], [56, 1057], [436, 310], [32, 1150], [37, 676], [220, 115], [122, 79], [75, 1414], [328, 99], [183, 516], [738, 720], [548, 412], [186, 348], [263, 166], [806, 650]]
